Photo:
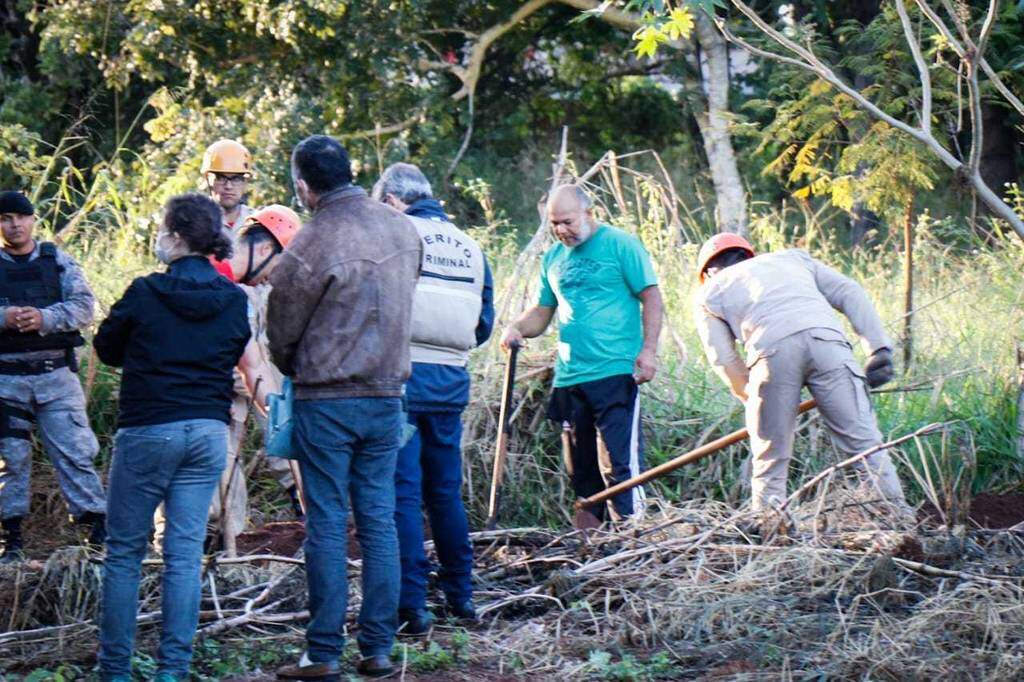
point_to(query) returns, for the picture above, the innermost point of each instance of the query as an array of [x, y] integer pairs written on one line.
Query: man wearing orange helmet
[[780, 307]]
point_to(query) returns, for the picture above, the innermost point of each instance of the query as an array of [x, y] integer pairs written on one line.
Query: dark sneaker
[[309, 670], [463, 610], [414, 622], [377, 666], [12, 556]]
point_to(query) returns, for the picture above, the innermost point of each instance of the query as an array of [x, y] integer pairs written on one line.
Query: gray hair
[[404, 180], [582, 198]]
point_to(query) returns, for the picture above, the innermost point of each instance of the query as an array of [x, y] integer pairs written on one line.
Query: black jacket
[[179, 336]]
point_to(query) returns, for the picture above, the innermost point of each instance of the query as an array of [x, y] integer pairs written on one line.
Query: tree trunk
[[908, 286], [731, 210], [999, 147], [1020, 398]]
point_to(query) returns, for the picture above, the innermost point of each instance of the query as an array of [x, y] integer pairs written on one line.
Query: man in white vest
[[453, 312]]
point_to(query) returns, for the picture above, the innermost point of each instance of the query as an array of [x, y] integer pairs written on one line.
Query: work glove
[[878, 368]]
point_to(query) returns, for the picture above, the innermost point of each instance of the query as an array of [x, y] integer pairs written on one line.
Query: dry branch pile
[[853, 601]]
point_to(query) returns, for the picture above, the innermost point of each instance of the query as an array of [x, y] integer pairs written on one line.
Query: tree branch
[[922, 68], [478, 53], [810, 62], [997, 82], [386, 130]]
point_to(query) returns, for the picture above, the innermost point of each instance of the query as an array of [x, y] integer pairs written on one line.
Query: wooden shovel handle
[[673, 464]]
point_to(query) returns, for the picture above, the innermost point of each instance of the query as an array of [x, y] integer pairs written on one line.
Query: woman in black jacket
[[178, 336]]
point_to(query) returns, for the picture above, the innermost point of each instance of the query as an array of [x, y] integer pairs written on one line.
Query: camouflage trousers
[[55, 402]]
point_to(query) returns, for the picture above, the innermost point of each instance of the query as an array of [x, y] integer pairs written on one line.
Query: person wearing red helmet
[[781, 308], [263, 237]]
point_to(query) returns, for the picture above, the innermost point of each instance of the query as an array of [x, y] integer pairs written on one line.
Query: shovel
[[504, 430], [584, 519]]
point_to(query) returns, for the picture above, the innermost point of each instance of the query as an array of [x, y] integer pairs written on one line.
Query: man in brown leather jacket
[[781, 307], [339, 324]]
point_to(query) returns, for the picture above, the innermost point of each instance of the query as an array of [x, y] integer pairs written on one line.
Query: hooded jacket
[[178, 335]]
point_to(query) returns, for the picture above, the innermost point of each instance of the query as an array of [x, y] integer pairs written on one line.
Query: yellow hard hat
[[226, 156]]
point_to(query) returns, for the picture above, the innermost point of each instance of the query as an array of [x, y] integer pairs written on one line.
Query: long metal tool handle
[[673, 464], [501, 446]]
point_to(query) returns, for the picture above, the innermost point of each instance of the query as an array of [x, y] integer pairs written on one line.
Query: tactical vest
[[446, 305], [35, 283]]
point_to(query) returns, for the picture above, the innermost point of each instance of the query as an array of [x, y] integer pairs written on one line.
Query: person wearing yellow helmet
[[227, 169]]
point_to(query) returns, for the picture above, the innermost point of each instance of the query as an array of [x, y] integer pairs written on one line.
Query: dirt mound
[[283, 538], [998, 511]]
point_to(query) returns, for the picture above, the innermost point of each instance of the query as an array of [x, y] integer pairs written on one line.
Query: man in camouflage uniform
[[46, 301]]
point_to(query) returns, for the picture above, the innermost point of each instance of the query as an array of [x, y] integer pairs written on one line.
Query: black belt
[[26, 367]]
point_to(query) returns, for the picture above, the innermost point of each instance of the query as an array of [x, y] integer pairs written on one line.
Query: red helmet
[[718, 244], [281, 221]]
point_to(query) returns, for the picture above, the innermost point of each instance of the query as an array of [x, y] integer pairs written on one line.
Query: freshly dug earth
[[998, 511], [283, 538]]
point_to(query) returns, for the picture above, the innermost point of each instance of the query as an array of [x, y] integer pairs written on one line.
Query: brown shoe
[[376, 666], [313, 671]]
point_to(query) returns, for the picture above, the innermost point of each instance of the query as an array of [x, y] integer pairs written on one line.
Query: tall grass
[[965, 330]]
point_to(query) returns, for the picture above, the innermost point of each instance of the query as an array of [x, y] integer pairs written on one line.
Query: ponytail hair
[[198, 221]]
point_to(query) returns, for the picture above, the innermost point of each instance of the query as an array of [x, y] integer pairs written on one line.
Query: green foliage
[[431, 657], [821, 144], [630, 669]]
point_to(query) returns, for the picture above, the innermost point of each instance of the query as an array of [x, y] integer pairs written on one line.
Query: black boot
[[13, 551], [97, 522], [415, 622]]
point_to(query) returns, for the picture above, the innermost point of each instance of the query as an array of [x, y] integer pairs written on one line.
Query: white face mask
[[163, 249]]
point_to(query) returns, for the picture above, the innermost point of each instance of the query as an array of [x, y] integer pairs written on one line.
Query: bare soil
[[998, 511], [283, 538]]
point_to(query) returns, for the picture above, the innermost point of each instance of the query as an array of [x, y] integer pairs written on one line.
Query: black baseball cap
[[15, 202]]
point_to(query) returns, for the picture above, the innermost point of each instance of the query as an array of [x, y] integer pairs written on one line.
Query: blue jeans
[[347, 446], [178, 464], [430, 470]]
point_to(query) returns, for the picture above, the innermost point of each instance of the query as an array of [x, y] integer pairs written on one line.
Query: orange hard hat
[[719, 244], [281, 221], [226, 156]]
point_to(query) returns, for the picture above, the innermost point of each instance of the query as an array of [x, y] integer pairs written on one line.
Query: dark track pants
[[607, 446]]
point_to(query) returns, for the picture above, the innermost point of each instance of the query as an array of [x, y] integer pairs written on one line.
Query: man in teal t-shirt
[[600, 282]]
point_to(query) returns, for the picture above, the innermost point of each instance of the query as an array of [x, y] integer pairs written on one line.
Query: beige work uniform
[[780, 306], [233, 489]]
